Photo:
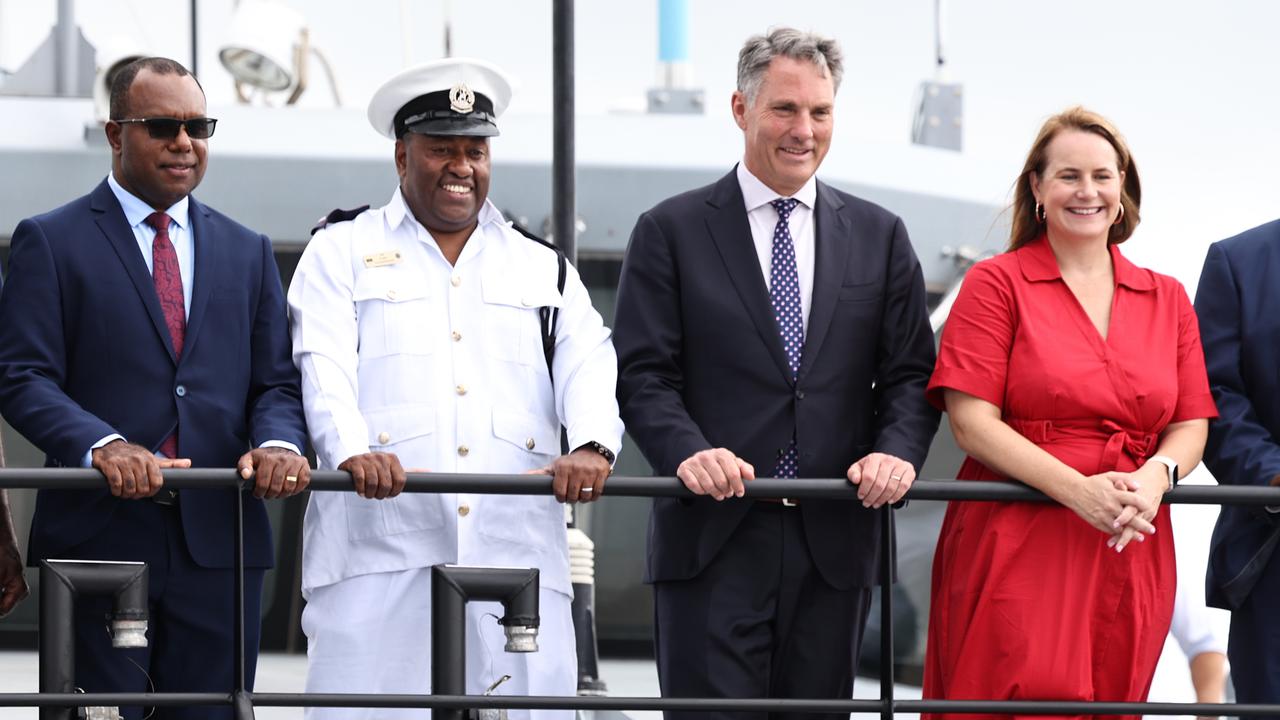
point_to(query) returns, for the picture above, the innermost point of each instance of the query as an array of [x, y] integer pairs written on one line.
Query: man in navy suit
[[770, 324], [139, 330], [1237, 304]]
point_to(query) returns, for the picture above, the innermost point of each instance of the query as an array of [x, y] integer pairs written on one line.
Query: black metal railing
[[886, 705]]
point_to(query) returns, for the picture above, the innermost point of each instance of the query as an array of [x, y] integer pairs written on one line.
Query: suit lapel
[[110, 219], [205, 271], [729, 229], [833, 240]]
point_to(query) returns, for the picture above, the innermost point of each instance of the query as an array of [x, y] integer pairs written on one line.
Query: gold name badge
[[390, 257]]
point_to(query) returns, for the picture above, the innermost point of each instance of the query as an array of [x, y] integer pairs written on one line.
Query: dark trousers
[[758, 622], [1253, 646], [190, 636]]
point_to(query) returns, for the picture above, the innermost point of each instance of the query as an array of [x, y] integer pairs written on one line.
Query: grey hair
[[760, 50]]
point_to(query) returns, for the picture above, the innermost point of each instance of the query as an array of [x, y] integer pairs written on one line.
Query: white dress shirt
[[764, 218]]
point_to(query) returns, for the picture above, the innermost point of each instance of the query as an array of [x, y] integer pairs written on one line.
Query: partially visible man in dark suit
[[140, 329], [772, 324], [1237, 304]]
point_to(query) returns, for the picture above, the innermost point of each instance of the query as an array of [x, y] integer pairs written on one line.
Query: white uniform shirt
[[442, 365], [764, 218]]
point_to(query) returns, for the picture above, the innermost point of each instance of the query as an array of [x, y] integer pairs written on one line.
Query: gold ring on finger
[[291, 478], [895, 477]]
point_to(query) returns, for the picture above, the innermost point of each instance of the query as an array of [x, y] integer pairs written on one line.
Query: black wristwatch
[[597, 447]]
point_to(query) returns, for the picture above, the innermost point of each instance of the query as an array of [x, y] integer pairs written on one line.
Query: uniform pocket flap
[[526, 431], [391, 287], [391, 425]]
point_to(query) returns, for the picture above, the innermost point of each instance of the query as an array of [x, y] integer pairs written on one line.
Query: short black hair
[[123, 78]]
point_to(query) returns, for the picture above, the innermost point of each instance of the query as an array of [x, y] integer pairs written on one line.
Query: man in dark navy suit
[[770, 324], [1238, 304], [139, 330]]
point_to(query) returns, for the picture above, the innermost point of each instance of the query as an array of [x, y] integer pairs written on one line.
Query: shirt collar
[[397, 211], [756, 194], [136, 210], [1038, 264]]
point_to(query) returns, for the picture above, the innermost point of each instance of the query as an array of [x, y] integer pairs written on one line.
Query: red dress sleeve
[[974, 354], [1194, 399]]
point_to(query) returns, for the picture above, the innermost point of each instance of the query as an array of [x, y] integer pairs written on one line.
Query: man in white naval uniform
[[416, 328]]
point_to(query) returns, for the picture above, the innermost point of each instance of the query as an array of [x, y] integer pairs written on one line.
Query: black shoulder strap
[[336, 216], [549, 315]]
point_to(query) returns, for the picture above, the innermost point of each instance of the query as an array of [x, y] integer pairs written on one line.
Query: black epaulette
[[548, 315], [336, 216]]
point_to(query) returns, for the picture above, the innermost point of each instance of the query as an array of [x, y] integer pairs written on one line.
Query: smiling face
[[444, 179], [788, 126], [1080, 186], [159, 172]]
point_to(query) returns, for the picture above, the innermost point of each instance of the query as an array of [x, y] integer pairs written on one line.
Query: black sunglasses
[[163, 128]]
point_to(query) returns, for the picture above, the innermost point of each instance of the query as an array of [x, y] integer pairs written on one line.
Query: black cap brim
[[461, 126]]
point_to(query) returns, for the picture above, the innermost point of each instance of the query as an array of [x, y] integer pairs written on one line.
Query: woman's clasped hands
[[1122, 505]]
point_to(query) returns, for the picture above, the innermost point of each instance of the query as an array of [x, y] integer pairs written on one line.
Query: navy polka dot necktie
[[784, 295]]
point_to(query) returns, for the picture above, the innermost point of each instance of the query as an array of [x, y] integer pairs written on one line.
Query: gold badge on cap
[[461, 98]]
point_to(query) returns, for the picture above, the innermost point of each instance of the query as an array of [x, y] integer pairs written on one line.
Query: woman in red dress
[[1070, 369]]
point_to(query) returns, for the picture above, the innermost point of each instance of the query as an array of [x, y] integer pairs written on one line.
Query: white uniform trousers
[[372, 634]]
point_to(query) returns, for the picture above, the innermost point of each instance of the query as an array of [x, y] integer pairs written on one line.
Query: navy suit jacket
[[701, 365], [1237, 304], [84, 353]]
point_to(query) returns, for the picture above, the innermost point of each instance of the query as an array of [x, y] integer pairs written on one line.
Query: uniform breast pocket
[[409, 432], [512, 326], [394, 313], [530, 442]]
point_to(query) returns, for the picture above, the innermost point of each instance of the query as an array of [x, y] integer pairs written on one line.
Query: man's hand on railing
[[716, 472], [133, 471], [578, 477], [276, 472], [881, 478], [376, 475]]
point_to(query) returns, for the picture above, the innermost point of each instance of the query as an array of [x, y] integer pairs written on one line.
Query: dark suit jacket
[[84, 353], [701, 365], [1237, 305]]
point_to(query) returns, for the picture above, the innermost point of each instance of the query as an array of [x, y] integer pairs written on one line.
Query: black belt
[[783, 502]]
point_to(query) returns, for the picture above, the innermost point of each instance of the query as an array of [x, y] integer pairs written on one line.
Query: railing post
[[452, 586], [61, 581], [887, 559], [241, 701]]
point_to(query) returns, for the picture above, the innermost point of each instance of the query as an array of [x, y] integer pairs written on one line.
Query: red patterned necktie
[[168, 280]]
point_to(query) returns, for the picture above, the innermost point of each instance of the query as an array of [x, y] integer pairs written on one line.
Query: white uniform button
[[461, 389], [392, 294], [384, 437], [457, 336], [529, 443], [456, 280], [464, 510], [463, 450]]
